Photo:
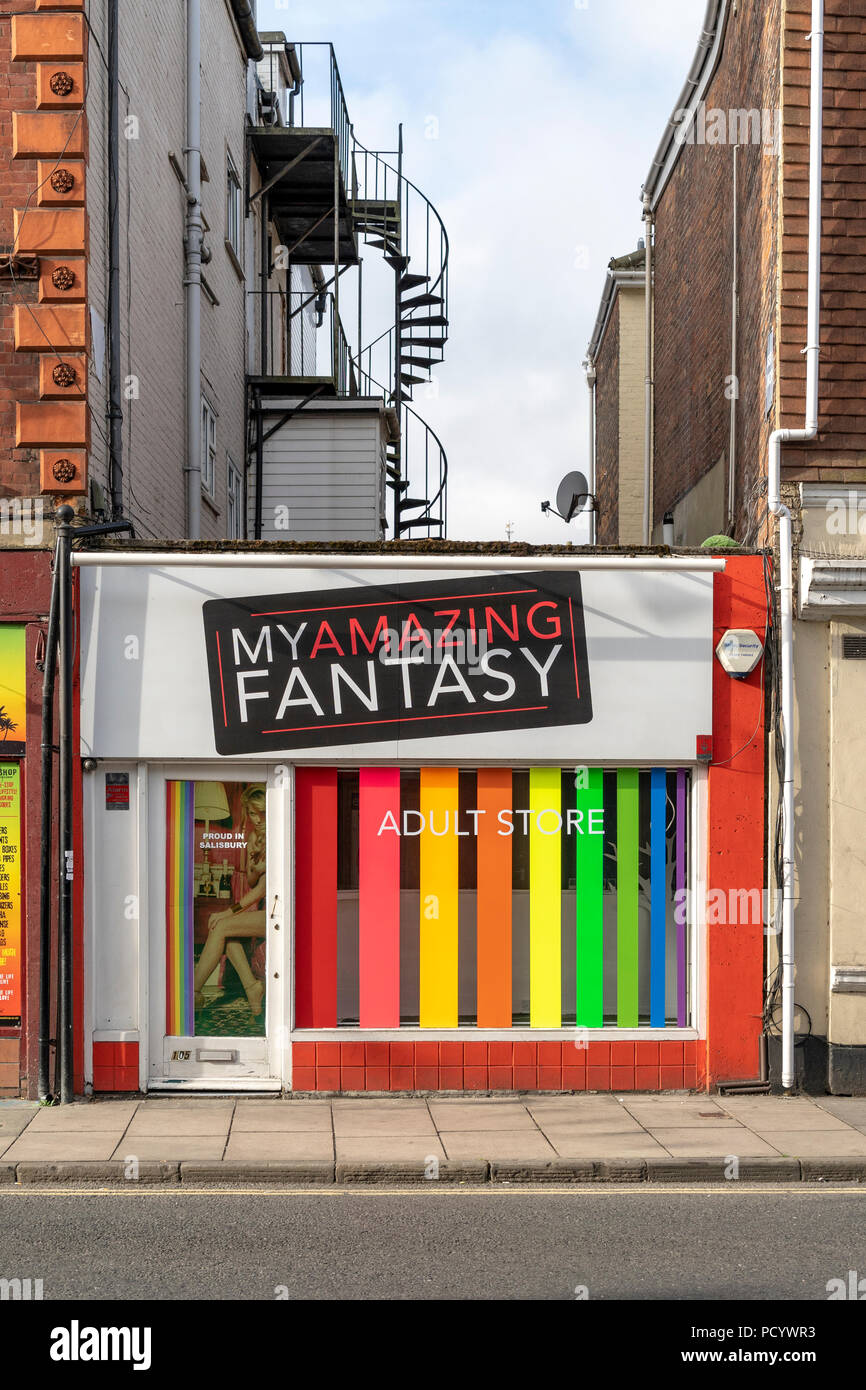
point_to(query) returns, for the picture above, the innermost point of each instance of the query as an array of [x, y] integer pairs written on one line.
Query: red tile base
[[115, 1066], [495, 1066]]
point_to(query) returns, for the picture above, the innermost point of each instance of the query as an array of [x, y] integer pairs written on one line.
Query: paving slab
[[270, 1145], [496, 1144], [697, 1111], [585, 1119], [695, 1143], [389, 1148], [481, 1115], [851, 1109], [171, 1146], [764, 1113], [181, 1119], [84, 1118], [573, 1143], [15, 1119], [281, 1117], [62, 1147], [814, 1143], [371, 1120]]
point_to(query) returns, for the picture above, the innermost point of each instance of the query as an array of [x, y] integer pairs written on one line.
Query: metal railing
[[317, 61], [305, 338], [415, 232]]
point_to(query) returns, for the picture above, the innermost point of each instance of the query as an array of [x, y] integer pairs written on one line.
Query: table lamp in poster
[[13, 700], [10, 891]]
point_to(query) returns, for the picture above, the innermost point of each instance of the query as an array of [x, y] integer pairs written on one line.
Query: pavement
[[675, 1137]]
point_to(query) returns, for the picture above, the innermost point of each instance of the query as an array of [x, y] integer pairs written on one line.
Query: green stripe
[[626, 896], [590, 896]]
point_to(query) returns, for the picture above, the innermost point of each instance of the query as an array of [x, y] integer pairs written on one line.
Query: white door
[[217, 912]]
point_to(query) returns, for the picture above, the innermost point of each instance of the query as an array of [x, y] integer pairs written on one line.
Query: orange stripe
[[494, 900]]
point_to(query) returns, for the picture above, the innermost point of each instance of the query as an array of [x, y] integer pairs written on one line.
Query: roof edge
[[701, 73]]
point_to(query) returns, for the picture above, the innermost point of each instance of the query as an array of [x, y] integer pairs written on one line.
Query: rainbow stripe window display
[[446, 897]]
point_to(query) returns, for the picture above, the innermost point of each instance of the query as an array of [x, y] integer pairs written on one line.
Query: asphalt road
[[647, 1243]]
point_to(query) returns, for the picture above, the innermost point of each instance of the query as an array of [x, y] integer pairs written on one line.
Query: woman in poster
[[229, 930]]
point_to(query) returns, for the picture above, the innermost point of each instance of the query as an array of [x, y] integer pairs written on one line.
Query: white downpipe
[[648, 403], [591, 378], [192, 270], [333, 560], [786, 563]]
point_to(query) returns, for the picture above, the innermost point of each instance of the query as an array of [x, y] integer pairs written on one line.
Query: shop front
[[406, 822]]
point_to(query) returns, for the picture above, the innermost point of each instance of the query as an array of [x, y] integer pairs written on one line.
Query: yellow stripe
[[545, 898], [438, 952]]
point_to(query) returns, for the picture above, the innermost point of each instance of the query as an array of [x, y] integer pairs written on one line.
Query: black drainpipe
[[115, 407]]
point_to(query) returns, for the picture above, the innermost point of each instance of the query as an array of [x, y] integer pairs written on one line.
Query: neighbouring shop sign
[[516, 667], [422, 659], [13, 693], [10, 890]]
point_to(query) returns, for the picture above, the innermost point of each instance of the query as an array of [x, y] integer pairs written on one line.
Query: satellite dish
[[572, 495]]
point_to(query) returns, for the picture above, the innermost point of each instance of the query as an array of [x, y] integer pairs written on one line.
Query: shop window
[[491, 898]]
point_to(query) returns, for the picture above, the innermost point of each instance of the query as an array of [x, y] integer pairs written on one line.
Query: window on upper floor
[[208, 447], [235, 509], [234, 209]]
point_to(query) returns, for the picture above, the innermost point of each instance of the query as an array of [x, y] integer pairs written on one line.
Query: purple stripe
[[681, 898]]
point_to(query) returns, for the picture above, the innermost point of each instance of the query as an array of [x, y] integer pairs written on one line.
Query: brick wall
[[840, 451], [607, 432], [693, 272], [19, 376]]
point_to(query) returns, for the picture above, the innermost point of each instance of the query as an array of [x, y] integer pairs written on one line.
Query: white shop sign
[[384, 664]]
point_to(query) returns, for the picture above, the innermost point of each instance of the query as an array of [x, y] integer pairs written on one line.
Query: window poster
[[215, 909], [10, 891], [13, 699]]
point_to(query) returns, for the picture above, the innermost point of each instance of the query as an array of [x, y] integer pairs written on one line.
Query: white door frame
[[276, 1073]]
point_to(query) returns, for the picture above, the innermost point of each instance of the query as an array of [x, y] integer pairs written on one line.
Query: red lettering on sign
[[321, 644], [555, 624], [418, 628], [355, 631]]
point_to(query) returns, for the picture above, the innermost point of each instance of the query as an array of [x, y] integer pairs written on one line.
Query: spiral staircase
[[392, 215], [328, 197]]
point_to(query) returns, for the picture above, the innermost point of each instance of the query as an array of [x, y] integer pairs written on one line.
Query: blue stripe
[[658, 904]]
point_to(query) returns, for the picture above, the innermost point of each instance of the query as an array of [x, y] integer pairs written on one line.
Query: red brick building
[[728, 193]]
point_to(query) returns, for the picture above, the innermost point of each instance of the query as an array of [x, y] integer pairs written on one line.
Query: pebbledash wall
[[499, 794]]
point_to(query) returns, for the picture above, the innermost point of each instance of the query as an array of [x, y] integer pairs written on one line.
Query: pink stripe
[[379, 897]]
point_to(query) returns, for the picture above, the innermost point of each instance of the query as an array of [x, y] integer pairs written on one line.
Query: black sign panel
[[374, 663]]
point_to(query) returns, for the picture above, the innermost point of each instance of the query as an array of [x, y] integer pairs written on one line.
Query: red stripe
[[222, 686], [379, 898], [574, 649], [494, 901], [403, 719], [316, 898], [388, 603]]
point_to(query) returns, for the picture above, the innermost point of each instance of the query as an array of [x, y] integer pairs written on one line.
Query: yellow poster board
[[13, 694], [10, 890]]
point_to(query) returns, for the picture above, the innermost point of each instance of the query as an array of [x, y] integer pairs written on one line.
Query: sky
[[531, 127]]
